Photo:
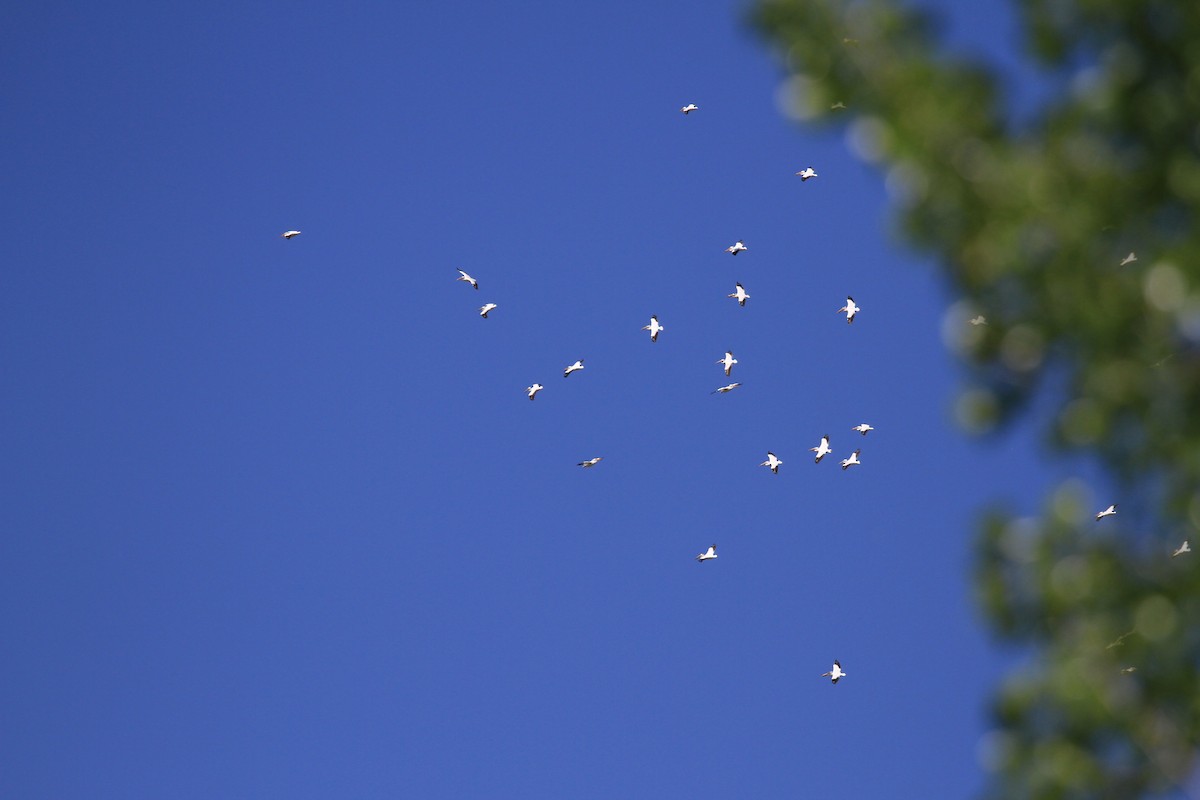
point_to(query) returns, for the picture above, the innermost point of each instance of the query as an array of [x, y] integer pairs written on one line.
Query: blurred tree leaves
[[1031, 221]]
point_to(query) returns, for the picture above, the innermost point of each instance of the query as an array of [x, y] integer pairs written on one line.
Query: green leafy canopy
[[1030, 222]]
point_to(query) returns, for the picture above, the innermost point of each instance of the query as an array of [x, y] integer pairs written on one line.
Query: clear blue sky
[[279, 518]]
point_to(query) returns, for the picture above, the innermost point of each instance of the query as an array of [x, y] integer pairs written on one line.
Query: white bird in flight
[[772, 461], [1183, 548], [578, 365], [850, 309], [739, 294], [462, 276], [1108, 512], [724, 389], [807, 173], [533, 390], [822, 449], [654, 328], [484, 309], [834, 674], [852, 460], [689, 108], [591, 462], [728, 361], [1129, 259], [736, 247], [289, 234], [862, 428], [711, 552], [980, 320]]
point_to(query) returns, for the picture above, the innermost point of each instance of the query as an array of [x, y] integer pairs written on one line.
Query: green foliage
[[1031, 222]]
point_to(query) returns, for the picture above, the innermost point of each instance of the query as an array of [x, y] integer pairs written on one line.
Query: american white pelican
[[834, 674], [850, 309], [289, 234], [806, 173], [773, 462], [724, 389], [736, 247], [1117, 641], [862, 428], [1183, 548], [822, 449], [711, 552], [728, 361], [1108, 512], [654, 328], [485, 308], [462, 276], [689, 108], [533, 390], [578, 365], [1129, 259], [739, 294], [591, 462], [852, 460]]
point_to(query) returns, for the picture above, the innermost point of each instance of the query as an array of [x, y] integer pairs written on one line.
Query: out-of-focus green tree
[[1034, 223]]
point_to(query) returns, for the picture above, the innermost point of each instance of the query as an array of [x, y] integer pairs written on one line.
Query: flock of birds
[[773, 462], [655, 327], [727, 362]]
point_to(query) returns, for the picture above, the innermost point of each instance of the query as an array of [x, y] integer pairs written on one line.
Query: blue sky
[[281, 520]]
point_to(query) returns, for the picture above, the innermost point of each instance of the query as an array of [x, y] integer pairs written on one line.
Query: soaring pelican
[[739, 294], [834, 674], [822, 449], [462, 276], [850, 309]]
